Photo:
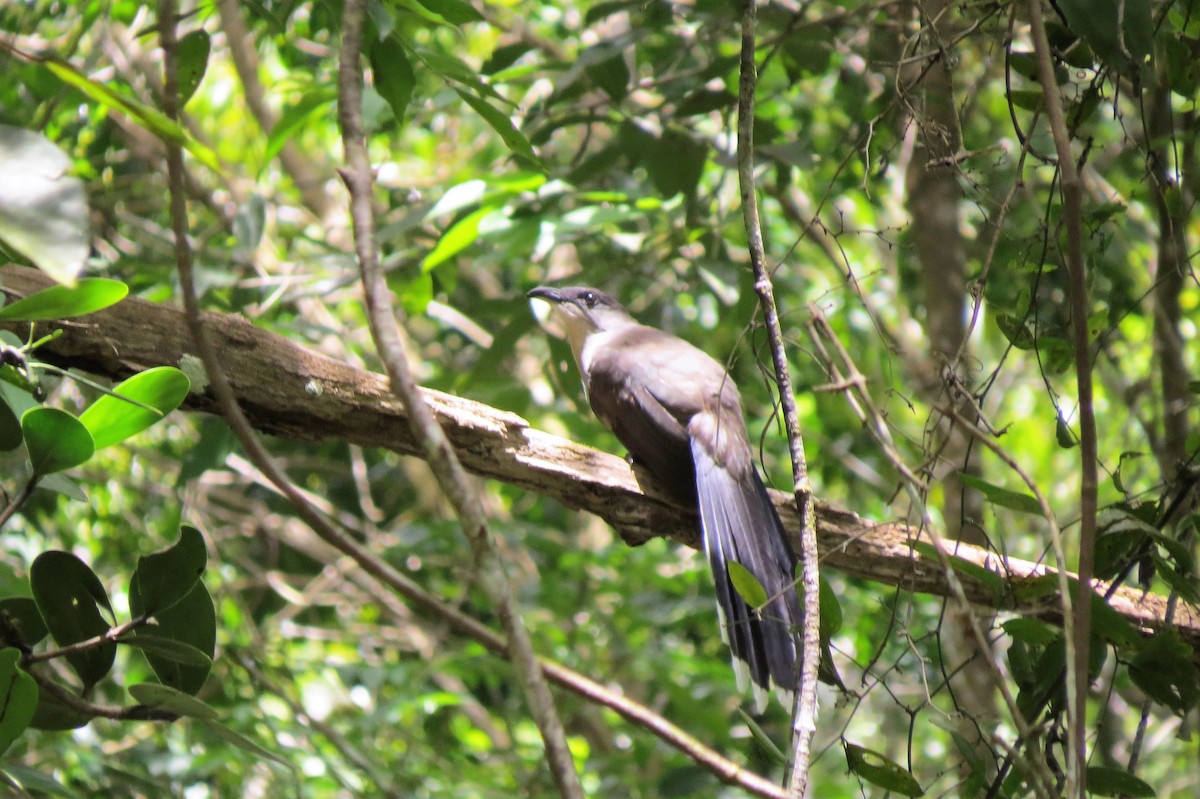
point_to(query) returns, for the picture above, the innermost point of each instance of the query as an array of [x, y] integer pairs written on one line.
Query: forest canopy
[[241, 554]]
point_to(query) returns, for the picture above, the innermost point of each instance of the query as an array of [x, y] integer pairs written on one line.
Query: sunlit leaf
[[113, 417], [63, 302], [55, 439]]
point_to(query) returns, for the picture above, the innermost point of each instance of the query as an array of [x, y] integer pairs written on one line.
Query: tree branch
[[289, 391]]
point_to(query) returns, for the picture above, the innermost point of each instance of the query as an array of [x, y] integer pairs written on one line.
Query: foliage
[[524, 143]]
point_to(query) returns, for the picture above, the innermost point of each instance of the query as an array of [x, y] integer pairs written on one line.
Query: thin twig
[[1079, 637], [440, 454], [804, 720]]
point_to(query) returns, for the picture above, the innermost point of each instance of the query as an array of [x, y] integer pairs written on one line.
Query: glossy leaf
[[1165, 671], [87, 296], [191, 621], [10, 428], [1013, 500], [55, 439], [746, 584], [18, 697], [394, 76], [70, 596], [167, 649], [22, 612], [43, 207], [881, 771], [166, 577], [162, 697], [192, 57], [111, 419], [1107, 781]]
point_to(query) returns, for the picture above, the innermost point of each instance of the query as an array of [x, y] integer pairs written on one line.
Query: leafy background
[[907, 178]]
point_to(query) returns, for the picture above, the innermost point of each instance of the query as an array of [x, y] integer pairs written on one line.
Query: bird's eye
[[589, 298]]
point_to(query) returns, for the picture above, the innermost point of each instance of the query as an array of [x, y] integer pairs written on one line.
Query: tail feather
[[739, 523]]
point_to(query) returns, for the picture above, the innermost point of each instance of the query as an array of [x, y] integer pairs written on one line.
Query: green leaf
[[166, 577], [43, 207], [113, 417], [152, 119], [192, 621], [831, 608], [162, 697], [1164, 670], [746, 584], [22, 612], [1024, 503], [242, 742], [54, 715], [881, 771], [461, 235], [1031, 631], [10, 428], [1120, 31], [1107, 781], [56, 440], [69, 596], [456, 12], [313, 105], [192, 57], [89, 295], [18, 697], [514, 139], [394, 76], [167, 649]]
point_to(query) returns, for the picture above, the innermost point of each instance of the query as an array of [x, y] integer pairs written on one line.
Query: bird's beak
[[550, 295], [548, 312]]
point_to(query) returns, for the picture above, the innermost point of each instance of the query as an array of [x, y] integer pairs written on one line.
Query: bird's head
[[578, 311]]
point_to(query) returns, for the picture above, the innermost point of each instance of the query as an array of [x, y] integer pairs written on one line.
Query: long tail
[[739, 524]]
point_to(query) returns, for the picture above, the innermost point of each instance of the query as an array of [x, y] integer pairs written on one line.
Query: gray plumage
[[679, 415]]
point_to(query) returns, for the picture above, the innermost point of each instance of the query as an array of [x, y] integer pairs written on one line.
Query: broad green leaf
[[56, 440], [35, 783], [1165, 671], [456, 12], [168, 649], [166, 577], [1013, 500], [87, 296], [1120, 31], [162, 697], [746, 584], [43, 207], [70, 595], [192, 58], [53, 715], [23, 613], [152, 119], [1031, 631], [10, 428], [1108, 781], [111, 419], [18, 697], [313, 105], [192, 621], [831, 608], [461, 235], [513, 138], [394, 77], [881, 771]]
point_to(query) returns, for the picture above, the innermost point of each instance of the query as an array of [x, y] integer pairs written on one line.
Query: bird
[[679, 414]]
